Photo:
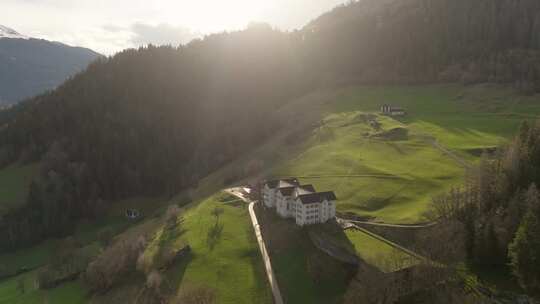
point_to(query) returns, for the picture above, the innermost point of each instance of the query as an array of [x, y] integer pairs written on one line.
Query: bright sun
[[211, 15]]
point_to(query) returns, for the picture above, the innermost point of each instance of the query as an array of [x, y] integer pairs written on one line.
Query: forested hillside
[[156, 120], [414, 41], [151, 121]]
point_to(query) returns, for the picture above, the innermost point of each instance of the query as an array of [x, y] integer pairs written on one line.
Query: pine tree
[[524, 251]]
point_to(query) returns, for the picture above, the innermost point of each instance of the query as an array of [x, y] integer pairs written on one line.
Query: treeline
[[425, 41], [499, 208]]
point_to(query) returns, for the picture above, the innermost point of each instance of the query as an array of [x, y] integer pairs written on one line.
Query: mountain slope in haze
[[31, 66], [146, 122], [156, 120]]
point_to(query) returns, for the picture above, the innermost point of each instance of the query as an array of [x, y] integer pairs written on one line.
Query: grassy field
[[225, 256], [390, 180], [459, 117], [379, 254], [394, 180], [14, 185], [11, 292]]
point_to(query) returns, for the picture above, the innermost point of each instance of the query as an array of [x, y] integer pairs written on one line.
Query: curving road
[[412, 226]]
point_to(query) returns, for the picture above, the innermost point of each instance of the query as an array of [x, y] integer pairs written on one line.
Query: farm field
[[393, 179], [225, 256]]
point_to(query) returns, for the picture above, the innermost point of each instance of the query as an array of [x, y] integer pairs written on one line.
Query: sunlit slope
[[394, 179], [459, 117], [224, 259]]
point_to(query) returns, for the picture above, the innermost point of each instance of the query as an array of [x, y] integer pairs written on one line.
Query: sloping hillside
[[155, 121], [418, 41]]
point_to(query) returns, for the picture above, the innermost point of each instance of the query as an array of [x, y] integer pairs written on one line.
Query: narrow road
[[396, 246], [262, 247], [266, 258], [379, 176], [435, 143], [451, 154]]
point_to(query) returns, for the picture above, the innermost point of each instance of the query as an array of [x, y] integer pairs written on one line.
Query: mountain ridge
[[30, 66], [6, 32]]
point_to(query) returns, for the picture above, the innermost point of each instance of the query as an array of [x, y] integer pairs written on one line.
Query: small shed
[[133, 214]]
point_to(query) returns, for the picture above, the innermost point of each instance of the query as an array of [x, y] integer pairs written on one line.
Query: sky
[[108, 26]]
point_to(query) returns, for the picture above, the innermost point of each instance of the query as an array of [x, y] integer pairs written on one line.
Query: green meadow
[[379, 254], [224, 256], [12, 292], [394, 179]]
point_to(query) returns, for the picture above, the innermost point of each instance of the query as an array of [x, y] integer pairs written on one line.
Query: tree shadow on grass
[[176, 273], [214, 235], [263, 292]]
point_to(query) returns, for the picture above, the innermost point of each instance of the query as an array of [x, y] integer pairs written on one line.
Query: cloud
[[161, 34], [110, 26]]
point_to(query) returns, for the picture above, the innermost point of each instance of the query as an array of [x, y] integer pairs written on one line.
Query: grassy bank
[[379, 254], [394, 179], [225, 257]]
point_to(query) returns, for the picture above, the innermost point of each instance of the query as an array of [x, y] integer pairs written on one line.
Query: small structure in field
[[300, 202], [133, 214], [392, 110]]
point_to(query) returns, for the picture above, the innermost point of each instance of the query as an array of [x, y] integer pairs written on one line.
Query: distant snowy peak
[[6, 32]]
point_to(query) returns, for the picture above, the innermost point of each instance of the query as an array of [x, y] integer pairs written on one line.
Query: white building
[[315, 208], [300, 202], [270, 189]]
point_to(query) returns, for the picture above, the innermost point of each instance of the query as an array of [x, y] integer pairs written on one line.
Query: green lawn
[[29, 258], [14, 185], [68, 293], [378, 253], [395, 180], [225, 255]]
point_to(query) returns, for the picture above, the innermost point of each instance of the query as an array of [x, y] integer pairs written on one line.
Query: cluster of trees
[[70, 259], [114, 264], [157, 119], [499, 209]]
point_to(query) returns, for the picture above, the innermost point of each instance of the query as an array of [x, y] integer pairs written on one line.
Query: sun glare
[[211, 15]]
